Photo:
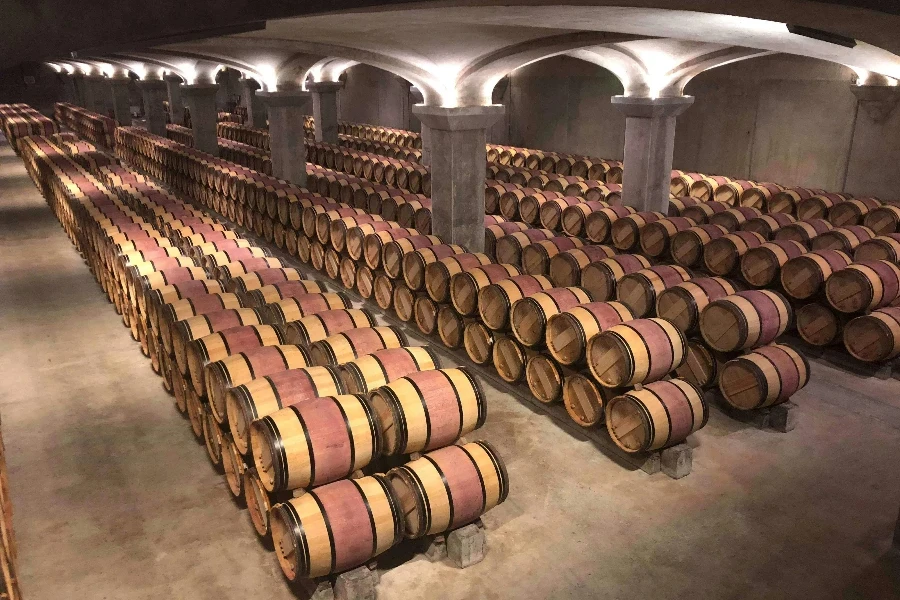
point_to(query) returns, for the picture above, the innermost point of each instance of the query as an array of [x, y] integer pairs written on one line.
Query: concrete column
[[877, 101], [121, 100], [176, 102], [897, 535], [649, 144], [80, 90], [325, 109], [457, 139], [154, 93], [100, 94], [426, 143], [201, 101], [287, 112], [70, 91], [256, 108]]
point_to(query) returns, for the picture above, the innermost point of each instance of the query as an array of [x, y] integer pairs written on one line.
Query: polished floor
[[114, 498]]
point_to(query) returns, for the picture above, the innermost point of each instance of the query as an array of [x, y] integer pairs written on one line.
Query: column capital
[[286, 98], [151, 84], [172, 78], [250, 84], [324, 86], [200, 89], [119, 81], [459, 118], [652, 108], [878, 101]]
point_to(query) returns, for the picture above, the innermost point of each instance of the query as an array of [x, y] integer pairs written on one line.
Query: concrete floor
[[114, 498]]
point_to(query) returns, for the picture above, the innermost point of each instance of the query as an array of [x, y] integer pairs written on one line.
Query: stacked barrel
[[246, 155], [93, 127], [20, 120]]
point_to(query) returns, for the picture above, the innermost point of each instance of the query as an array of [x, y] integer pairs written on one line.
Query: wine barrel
[[492, 233], [845, 239], [438, 274], [656, 237], [536, 257], [768, 225], [374, 243], [495, 301], [731, 191], [818, 206], [510, 200], [450, 327], [679, 204], [353, 343], [761, 266], [884, 219], [341, 227], [688, 245], [786, 201], [282, 290], [681, 182], [600, 278], [449, 488], [294, 309], [702, 365], [598, 224], [531, 207], [863, 286], [544, 378], [315, 442], [803, 231], [492, 192], [365, 281], [573, 219], [509, 248], [381, 367], [234, 468], [242, 267], [765, 377], [479, 342], [759, 195], [804, 276], [820, 325], [528, 316], [745, 320], [874, 337], [550, 216], [425, 311], [722, 256], [336, 527], [702, 212], [322, 325], [734, 218], [190, 307], [851, 212], [265, 395], [704, 189], [639, 351], [584, 399], [509, 358], [566, 267], [427, 410], [625, 232], [569, 332], [682, 304], [415, 263], [383, 290], [404, 302], [660, 414], [260, 502], [638, 291], [355, 242], [194, 328], [253, 281], [347, 272], [884, 247], [394, 253]]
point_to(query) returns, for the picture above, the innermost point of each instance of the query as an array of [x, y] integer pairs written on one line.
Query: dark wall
[[46, 89]]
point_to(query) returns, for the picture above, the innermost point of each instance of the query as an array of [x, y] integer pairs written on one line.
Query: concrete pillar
[[70, 90], [154, 93], [877, 101], [256, 108], [457, 139], [426, 143], [121, 99], [100, 94], [649, 144], [176, 102], [287, 112], [201, 101], [897, 535], [80, 89], [325, 109]]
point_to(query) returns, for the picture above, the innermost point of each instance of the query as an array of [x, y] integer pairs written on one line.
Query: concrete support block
[[121, 100], [649, 144], [256, 108], [100, 94], [426, 145], [287, 111], [201, 101], [467, 545], [78, 84], [320, 590], [176, 101], [154, 92], [676, 462], [436, 550], [457, 139], [783, 417], [325, 109], [358, 584], [70, 91]]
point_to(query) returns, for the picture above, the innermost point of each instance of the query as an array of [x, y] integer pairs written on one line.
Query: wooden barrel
[[509, 248], [704, 189], [682, 304], [625, 233], [510, 358], [415, 263], [282, 290], [820, 325], [759, 195], [656, 237], [701, 212], [765, 377], [845, 239], [258, 279], [234, 467], [347, 272], [425, 311], [449, 488], [197, 327], [315, 442], [355, 242], [884, 247], [723, 255], [383, 291], [803, 231], [495, 301], [186, 308], [293, 309], [353, 343], [599, 223], [381, 367], [427, 410], [681, 182], [336, 527], [688, 245], [745, 320], [317, 327], [569, 332], [573, 219], [584, 399], [438, 274], [494, 232], [804, 276], [510, 200], [852, 212], [265, 395], [786, 201], [259, 501], [479, 342], [768, 225], [884, 219], [733, 218], [544, 378], [701, 365], [212, 438], [492, 192], [660, 414], [638, 291], [874, 337], [600, 278], [374, 243], [677, 205], [863, 286], [537, 256], [395, 252], [404, 302], [528, 316], [730, 192], [450, 327], [566, 267], [550, 215], [365, 281], [341, 227], [639, 351], [818, 206], [242, 267], [761, 266]]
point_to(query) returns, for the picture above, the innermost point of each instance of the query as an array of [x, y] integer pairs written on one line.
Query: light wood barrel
[[656, 237], [584, 399], [566, 267], [260, 502], [353, 343], [845, 239], [479, 342], [731, 191], [449, 488], [702, 212], [682, 304], [438, 274], [314, 442], [509, 358], [234, 467], [638, 291], [677, 205], [745, 320], [573, 219], [322, 325], [818, 206], [394, 252], [494, 232], [544, 378], [528, 316], [884, 219], [705, 188], [293, 309], [425, 312], [723, 255], [625, 233], [820, 325], [537, 256], [258, 279], [874, 337], [242, 267], [884, 247], [852, 212], [509, 248], [212, 438], [383, 290], [786, 201], [355, 242], [374, 243], [194, 328], [733, 218], [550, 215], [701, 365], [336, 527], [404, 302], [804, 276], [765, 377], [601, 278], [427, 410], [282, 290], [803, 231], [599, 223], [416, 263], [687, 246], [495, 301], [381, 367], [186, 308], [569, 332], [759, 195], [450, 327], [341, 227], [639, 351], [761, 266], [768, 225], [681, 182], [661, 414], [510, 200], [347, 272], [863, 286], [365, 281]]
